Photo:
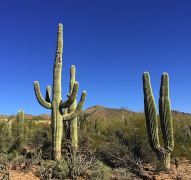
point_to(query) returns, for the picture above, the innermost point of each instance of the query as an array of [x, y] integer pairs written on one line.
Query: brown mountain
[[100, 112]]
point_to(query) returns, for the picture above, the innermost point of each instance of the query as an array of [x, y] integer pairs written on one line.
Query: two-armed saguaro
[[56, 104], [163, 153]]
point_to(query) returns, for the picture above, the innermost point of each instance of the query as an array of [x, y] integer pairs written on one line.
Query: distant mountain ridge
[[101, 109], [96, 111]]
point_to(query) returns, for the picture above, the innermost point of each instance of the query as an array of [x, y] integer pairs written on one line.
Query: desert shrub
[[4, 167], [40, 139], [122, 174], [80, 161], [19, 135], [100, 171], [25, 139], [182, 136], [119, 137], [53, 170], [5, 137]]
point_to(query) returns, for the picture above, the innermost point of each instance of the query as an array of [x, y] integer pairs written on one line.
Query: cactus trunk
[[163, 154], [56, 117], [163, 160], [56, 104], [57, 131]]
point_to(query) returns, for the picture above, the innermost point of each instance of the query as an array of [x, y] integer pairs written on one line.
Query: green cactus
[[20, 117], [20, 128], [163, 153], [56, 104]]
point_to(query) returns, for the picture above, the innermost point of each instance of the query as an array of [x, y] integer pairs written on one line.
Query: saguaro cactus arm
[[72, 115], [71, 98], [150, 113], [165, 114], [39, 96], [72, 78]]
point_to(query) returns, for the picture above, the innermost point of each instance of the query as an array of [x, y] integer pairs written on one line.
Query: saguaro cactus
[[56, 104], [20, 128], [20, 117], [163, 153]]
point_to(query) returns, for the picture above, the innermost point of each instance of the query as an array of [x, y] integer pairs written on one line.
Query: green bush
[[40, 139], [100, 171], [53, 170], [6, 139]]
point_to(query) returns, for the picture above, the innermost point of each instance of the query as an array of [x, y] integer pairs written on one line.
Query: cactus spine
[[56, 104], [163, 153]]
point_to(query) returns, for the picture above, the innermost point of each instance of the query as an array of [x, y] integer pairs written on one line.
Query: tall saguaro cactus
[[56, 104], [163, 153]]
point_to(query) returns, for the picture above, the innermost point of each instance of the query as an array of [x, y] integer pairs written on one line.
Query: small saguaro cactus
[[163, 153], [20, 117], [56, 104], [20, 123]]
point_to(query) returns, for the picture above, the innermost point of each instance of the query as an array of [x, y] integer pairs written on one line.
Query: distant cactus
[[163, 153], [20, 117], [20, 122], [56, 104], [20, 125], [21, 131]]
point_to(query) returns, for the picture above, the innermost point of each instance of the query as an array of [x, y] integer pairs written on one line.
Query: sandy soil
[[16, 175]]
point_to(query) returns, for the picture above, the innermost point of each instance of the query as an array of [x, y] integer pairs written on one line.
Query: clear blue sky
[[111, 43]]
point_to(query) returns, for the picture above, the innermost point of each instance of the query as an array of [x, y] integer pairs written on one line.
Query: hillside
[[101, 112], [97, 112], [104, 112]]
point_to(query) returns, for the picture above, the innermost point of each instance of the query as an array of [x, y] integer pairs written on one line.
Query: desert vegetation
[[112, 144]]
